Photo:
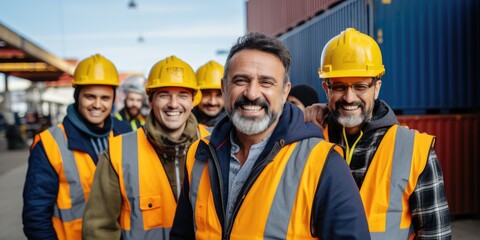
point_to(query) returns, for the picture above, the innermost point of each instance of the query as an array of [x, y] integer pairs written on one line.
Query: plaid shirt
[[428, 203]]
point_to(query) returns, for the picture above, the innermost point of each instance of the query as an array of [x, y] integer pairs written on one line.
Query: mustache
[[341, 103], [241, 101]]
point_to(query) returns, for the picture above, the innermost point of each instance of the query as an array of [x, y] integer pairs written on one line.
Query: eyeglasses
[[358, 88]]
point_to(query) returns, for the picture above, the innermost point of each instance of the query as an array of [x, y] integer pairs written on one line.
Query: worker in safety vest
[[264, 173], [137, 184], [133, 103], [63, 158], [396, 169], [211, 109]]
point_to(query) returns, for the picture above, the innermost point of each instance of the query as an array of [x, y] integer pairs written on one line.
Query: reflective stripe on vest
[[147, 211], [75, 171], [280, 214], [388, 184], [70, 170]]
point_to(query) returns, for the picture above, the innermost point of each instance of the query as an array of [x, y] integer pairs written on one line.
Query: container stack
[[430, 51]]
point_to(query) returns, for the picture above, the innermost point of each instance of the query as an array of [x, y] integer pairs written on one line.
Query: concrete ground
[[13, 167]]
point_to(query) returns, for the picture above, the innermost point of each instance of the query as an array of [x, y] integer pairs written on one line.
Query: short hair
[[264, 43]]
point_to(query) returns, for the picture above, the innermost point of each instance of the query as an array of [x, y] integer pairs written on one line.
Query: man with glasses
[[396, 169]]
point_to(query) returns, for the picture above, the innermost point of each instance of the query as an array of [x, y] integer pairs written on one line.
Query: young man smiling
[[138, 181], [63, 158], [211, 109]]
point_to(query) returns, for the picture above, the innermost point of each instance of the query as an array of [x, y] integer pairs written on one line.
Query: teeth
[[251, 107], [172, 114], [96, 113], [350, 107]]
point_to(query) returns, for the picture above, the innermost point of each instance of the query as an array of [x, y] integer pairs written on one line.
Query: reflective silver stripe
[[281, 209], [131, 180], [132, 186], [70, 169], [154, 233], [198, 167], [400, 175]]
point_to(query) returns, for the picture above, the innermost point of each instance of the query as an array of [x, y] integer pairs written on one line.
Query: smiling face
[[133, 103], [212, 102], [349, 107], [171, 107], [95, 103], [255, 92]]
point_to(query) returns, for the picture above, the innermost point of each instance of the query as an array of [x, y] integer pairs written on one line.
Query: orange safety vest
[[148, 202], [286, 188], [75, 172], [391, 179]]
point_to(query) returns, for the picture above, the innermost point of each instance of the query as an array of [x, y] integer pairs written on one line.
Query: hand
[[317, 114]]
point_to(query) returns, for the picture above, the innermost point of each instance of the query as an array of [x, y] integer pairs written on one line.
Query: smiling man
[[63, 158], [138, 181], [211, 109], [395, 168], [265, 173]]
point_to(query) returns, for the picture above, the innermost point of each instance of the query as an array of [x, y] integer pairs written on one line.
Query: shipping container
[[429, 48], [458, 150], [307, 41], [430, 51], [274, 17]]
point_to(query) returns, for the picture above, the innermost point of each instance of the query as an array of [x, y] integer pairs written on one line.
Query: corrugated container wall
[[458, 150], [306, 41], [430, 51], [429, 48], [274, 17]]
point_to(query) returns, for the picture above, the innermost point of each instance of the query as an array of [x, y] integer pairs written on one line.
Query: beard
[[133, 111], [253, 125], [351, 120]]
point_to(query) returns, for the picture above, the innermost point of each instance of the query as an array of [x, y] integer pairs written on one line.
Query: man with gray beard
[[396, 169], [264, 172]]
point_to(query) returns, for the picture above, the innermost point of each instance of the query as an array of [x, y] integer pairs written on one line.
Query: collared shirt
[[238, 174]]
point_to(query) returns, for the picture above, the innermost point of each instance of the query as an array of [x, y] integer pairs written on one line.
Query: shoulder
[[120, 127]]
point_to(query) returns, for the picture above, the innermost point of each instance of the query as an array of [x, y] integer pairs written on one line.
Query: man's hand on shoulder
[[317, 114]]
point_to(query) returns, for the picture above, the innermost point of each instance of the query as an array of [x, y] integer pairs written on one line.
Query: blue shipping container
[[429, 48], [306, 42]]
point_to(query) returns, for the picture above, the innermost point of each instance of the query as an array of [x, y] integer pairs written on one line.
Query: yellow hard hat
[[209, 76], [173, 72], [351, 54], [95, 70]]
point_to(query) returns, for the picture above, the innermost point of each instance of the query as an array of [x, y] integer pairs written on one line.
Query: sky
[[193, 30]]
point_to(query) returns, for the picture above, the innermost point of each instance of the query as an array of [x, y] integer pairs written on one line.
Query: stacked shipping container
[[430, 51], [457, 147]]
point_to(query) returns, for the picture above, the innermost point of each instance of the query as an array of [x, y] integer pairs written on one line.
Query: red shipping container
[[458, 150], [275, 17]]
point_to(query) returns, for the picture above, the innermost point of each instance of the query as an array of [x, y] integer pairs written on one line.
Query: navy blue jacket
[[41, 185], [337, 200]]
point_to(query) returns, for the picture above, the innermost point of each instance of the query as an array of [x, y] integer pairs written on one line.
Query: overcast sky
[[193, 30]]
